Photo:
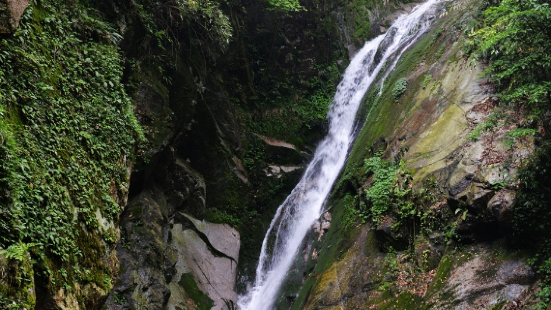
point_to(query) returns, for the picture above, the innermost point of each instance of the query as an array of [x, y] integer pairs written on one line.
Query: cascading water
[[296, 215]]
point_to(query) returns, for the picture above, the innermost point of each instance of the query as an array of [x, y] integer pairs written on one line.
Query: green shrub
[[518, 133], [516, 40], [399, 88], [389, 189]]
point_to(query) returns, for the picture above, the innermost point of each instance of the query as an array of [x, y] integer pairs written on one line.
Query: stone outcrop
[[214, 271], [483, 280], [170, 259], [10, 14], [501, 207]]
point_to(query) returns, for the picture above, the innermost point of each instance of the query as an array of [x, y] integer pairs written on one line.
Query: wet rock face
[[170, 259], [10, 13]]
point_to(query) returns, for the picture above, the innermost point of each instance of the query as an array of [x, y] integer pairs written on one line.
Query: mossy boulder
[[17, 287]]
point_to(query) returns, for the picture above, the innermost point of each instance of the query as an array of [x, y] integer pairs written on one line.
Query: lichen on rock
[[10, 14]]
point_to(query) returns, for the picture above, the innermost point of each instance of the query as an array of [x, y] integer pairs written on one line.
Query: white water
[[298, 212]]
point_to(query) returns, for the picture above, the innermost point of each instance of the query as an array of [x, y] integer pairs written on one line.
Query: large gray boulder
[[204, 256]]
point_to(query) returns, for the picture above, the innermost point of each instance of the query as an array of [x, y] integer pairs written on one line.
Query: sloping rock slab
[[222, 237], [213, 275], [484, 280]]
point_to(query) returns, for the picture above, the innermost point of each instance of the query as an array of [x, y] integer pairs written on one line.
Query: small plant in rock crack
[[427, 80], [490, 124], [17, 251], [119, 300], [520, 133]]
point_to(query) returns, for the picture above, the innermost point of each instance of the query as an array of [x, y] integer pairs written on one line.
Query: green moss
[[442, 273], [17, 283], [189, 285], [404, 301], [498, 306]]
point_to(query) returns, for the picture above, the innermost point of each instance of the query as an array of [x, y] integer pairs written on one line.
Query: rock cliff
[[454, 246], [143, 156]]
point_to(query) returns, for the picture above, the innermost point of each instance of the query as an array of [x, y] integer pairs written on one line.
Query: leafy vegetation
[[163, 25], [516, 41], [17, 251], [490, 124], [532, 214], [399, 88], [427, 80], [286, 5], [391, 185], [67, 132], [516, 134], [392, 194], [351, 213]]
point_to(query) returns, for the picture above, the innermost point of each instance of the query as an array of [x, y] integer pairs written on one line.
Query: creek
[[304, 205]]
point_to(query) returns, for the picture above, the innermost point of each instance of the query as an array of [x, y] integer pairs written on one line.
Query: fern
[[17, 251]]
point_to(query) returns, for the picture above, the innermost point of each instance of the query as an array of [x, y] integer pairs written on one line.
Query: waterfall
[[303, 206]]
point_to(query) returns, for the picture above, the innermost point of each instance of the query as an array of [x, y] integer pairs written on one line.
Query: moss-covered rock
[[17, 287]]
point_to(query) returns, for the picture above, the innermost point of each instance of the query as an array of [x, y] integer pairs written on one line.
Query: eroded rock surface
[[483, 280], [213, 271], [170, 259], [10, 13]]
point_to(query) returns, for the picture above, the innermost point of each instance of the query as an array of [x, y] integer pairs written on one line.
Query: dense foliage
[[385, 193], [166, 23], [516, 39], [66, 135], [391, 194], [286, 5]]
